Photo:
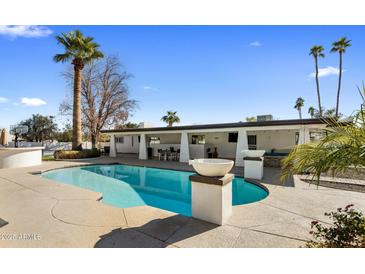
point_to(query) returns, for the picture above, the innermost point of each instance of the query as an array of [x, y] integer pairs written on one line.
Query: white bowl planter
[[212, 167]]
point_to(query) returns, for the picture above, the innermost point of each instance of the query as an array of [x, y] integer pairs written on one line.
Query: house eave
[[222, 126]]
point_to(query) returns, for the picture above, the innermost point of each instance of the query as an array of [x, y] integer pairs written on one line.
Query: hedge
[[76, 154]]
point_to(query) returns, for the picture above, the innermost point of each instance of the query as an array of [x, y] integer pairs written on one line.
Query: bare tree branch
[[104, 96]]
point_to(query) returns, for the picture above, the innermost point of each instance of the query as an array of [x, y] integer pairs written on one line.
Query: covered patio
[[216, 140]]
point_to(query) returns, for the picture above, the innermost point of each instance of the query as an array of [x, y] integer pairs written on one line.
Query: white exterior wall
[[274, 139], [220, 140], [173, 138], [130, 144]]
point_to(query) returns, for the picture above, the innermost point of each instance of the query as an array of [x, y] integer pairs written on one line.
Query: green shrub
[[76, 154], [48, 158], [347, 230]]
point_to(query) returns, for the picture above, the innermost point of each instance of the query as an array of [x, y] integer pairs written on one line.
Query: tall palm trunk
[[170, 124], [76, 130], [339, 86], [300, 113], [318, 94]]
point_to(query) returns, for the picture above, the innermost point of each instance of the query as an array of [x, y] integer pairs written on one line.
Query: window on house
[[198, 139], [252, 142], [155, 140], [119, 140], [232, 137]]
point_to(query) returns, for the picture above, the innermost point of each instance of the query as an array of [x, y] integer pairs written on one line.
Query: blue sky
[[207, 74]]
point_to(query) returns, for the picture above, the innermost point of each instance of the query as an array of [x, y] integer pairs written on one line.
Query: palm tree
[[79, 49], [299, 103], [311, 111], [170, 118], [251, 119], [340, 47], [316, 51], [331, 113]]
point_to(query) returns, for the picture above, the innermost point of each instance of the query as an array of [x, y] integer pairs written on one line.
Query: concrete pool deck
[[44, 213]]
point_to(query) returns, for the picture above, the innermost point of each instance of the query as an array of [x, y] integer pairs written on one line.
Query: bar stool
[[172, 154], [159, 154], [164, 154]]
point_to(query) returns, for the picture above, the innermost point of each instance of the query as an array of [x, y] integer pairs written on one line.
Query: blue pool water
[[127, 186]]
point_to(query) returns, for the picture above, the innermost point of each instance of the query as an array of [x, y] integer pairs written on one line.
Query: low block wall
[[20, 157]]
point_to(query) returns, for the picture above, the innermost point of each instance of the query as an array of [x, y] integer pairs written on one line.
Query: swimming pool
[[128, 186]]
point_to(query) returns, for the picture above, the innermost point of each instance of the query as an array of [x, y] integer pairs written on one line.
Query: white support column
[[143, 148], [113, 148], [242, 144], [303, 136], [184, 148]]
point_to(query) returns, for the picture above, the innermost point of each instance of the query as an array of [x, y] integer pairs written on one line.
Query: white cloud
[[255, 44], [150, 88], [3, 100], [24, 31], [32, 102], [327, 71]]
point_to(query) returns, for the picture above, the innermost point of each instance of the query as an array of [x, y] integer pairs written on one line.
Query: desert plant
[[342, 146], [347, 230]]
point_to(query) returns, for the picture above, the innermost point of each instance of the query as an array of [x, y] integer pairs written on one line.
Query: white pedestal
[[212, 198], [254, 167]]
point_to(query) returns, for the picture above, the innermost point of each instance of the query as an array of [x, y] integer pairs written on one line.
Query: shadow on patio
[[156, 233]]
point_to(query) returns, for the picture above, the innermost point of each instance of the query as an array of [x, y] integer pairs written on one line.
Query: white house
[[228, 139]]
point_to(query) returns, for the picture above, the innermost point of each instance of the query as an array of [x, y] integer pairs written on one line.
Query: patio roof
[[223, 125]]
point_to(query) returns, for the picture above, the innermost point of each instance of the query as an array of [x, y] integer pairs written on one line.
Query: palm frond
[[340, 45], [342, 146], [63, 57], [77, 46]]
